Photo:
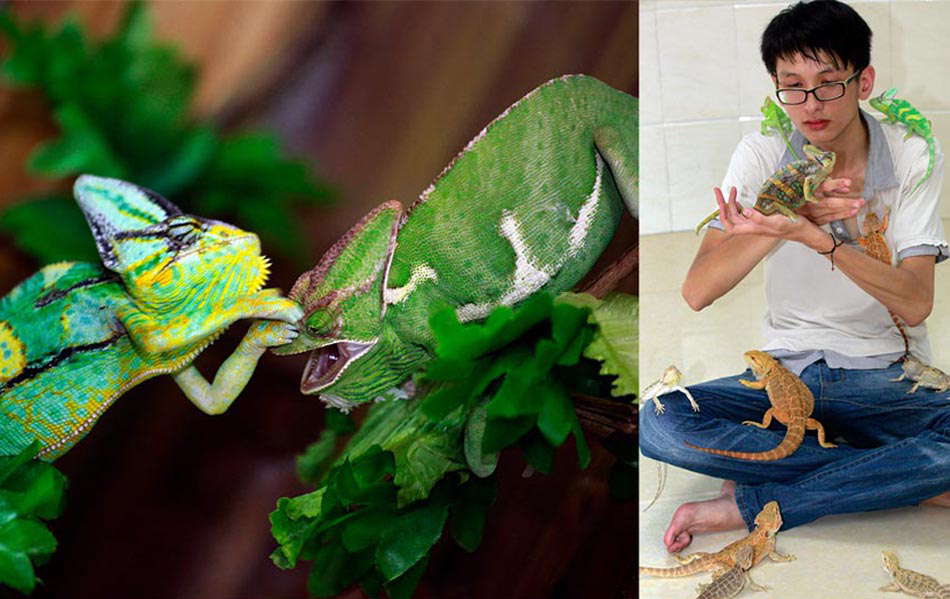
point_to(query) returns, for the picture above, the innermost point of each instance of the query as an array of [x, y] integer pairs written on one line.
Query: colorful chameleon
[[75, 336], [527, 206], [790, 186], [897, 110]]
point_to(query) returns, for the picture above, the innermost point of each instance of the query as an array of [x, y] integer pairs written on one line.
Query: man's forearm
[[721, 262], [906, 290]]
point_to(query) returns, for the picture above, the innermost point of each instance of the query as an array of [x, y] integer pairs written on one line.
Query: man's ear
[[866, 82]]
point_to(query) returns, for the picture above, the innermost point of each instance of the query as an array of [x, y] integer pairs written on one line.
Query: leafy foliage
[[122, 108], [30, 491], [616, 342], [419, 467], [777, 122]]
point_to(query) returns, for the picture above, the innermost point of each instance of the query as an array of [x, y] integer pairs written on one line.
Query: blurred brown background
[[167, 502]]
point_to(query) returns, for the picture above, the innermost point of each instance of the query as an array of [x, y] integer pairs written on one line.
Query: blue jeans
[[897, 451]]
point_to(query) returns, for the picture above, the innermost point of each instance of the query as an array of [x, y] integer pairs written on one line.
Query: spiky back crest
[[786, 186]]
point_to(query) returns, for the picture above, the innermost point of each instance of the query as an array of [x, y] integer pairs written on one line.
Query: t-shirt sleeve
[[916, 219]]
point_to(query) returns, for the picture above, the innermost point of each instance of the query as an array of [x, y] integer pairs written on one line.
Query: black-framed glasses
[[825, 92]]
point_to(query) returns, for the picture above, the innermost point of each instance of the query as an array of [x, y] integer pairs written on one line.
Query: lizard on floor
[[762, 540], [791, 186], [910, 582], [792, 405], [875, 245], [897, 110], [731, 582], [75, 336]]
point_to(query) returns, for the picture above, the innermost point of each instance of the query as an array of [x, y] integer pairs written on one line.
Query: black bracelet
[[836, 244]]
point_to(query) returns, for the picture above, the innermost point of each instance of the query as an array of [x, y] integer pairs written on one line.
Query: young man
[[827, 319]]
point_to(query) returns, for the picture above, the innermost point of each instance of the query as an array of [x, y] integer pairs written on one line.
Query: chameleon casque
[[897, 110], [790, 186], [527, 206], [75, 336]]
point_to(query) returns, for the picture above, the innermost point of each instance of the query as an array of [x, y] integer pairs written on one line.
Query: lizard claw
[[271, 333]]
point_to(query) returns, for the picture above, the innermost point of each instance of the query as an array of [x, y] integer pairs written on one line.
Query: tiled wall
[[702, 83]]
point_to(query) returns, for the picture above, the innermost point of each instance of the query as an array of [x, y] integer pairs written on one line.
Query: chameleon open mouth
[[327, 363]]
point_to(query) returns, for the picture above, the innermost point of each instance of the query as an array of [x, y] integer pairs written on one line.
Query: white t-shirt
[[815, 312]]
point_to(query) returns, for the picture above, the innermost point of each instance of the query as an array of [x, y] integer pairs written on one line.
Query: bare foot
[[720, 513], [942, 500]]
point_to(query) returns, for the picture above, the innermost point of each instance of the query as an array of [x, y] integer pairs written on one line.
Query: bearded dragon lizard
[[527, 206], [923, 375], [792, 405], [762, 541], [75, 336], [875, 246], [910, 582], [668, 382], [791, 186], [897, 110], [731, 582]]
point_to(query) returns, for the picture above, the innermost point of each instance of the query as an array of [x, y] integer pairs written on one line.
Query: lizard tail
[[685, 570], [793, 438], [902, 331], [931, 150], [706, 221]]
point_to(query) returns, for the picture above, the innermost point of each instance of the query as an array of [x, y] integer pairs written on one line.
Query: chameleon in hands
[[75, 336]]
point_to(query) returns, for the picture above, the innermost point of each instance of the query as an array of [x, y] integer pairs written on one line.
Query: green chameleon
[[75, 336], [790, 186], [527, 206], [776, 121], [897, 110]]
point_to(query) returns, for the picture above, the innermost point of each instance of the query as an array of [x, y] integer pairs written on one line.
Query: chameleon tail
[[706, 221], [932, 151], [788, 144]]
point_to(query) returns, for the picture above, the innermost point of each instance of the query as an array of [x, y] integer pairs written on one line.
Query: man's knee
[[659, 432]]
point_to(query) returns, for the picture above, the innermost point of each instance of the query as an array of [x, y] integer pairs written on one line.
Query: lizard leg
[[236, 370], [914, 388], [753, 384], [766, 419], [775, 556], [813, 425], [900, 378], [659, 407], [689, 396], [892, 587], [752, 583]]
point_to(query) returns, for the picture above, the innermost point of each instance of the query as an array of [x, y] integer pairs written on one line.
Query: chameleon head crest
[[342, 298], [163, 256]]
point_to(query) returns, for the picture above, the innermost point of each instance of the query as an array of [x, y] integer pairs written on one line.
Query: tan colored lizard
[[875, 246], [761, 539], [910, 582], [792, 405], [668, 382], [923, 375], [733, 580]]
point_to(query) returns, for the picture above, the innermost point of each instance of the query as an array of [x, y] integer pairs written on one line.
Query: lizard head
[[769, 518], [880, 102], [825, 160], [167, 259], [354, 357], [891, 563], [759, 361]]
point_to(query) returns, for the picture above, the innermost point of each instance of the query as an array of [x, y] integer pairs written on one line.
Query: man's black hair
[[814, 28]]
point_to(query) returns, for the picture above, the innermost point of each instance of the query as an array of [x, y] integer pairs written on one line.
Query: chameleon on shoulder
[[75, 336], [527, 206]]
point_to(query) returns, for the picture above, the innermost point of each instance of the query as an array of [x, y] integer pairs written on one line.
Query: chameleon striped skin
[[897, 110], [527, 206], [791, 186], [75, 336], [910, 582]]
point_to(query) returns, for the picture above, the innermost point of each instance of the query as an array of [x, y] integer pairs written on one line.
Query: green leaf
[[29, 223], [557, 416], [409, 538], [338, 422], [315, 460], [365, 530], [404, 586], [334, 569], [538, 452], [615, 344], [469, 512], [16, 570], [81, 149]]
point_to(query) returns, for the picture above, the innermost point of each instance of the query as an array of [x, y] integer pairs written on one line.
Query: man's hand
[[737, 220], [834, 204]]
